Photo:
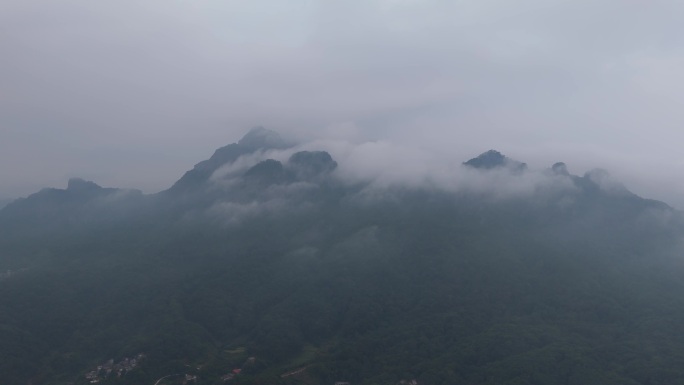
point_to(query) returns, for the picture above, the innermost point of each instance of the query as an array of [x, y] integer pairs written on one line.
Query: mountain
[[493, 159], [312, 163], [57, 211], [261, 265], [301, 166], [257, 139]]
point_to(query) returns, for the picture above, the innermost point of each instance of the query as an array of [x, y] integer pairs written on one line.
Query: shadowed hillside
[[263, 259]]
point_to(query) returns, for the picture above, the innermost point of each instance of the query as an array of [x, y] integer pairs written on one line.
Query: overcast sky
[[131, 93]]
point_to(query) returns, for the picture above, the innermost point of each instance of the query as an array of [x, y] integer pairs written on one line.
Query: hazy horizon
[[132, 95]]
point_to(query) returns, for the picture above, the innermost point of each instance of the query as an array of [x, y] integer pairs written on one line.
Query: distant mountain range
[[260, 265]]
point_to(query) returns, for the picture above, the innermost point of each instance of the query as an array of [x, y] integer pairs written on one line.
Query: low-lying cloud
[[381, 166], [131, 93]]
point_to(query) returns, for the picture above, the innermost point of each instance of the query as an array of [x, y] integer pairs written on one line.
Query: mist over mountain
[[325, 262], [494, 159], [5, 202], [257, 139]]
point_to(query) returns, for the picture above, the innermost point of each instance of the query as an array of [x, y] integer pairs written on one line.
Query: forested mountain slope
[[262, 258]]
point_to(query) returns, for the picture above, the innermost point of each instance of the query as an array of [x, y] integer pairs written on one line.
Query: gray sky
[[131, 93]]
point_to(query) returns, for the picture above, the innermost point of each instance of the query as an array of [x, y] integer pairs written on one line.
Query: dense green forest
[[293, 276]]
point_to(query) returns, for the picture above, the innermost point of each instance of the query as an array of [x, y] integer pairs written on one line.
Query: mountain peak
[[78, 184], [494, 159], [560, 168], [260, 137], [312, 163]]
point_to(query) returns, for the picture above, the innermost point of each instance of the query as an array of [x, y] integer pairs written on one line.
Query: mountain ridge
[[317, 162], [278, 265]]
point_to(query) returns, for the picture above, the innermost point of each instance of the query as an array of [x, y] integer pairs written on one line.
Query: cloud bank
[[133, 93]]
